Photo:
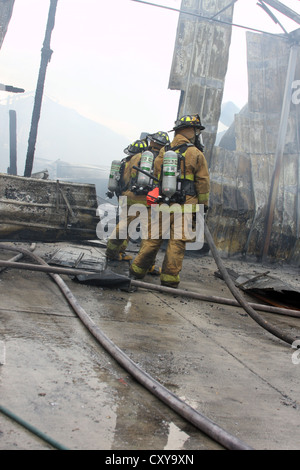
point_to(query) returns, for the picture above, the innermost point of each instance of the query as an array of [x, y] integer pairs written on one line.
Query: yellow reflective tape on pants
[[140, 272], [169, 278]]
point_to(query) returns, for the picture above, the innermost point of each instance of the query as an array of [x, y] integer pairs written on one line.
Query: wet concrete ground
[[56, 376]]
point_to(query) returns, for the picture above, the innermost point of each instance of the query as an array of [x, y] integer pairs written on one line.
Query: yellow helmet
[[189, 120], [136, 147]]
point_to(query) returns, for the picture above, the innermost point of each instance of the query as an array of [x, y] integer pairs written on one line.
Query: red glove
[[152, 196]]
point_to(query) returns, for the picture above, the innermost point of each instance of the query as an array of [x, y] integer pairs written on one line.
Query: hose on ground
[[18, 257], [249, 308], [201, 422], [239, 297], [32, 429], [12, 415]]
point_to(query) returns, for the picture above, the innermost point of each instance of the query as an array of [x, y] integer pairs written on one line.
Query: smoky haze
[[63, 134], [70, 146]]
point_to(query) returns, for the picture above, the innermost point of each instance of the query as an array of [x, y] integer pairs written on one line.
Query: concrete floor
[[56, 376]]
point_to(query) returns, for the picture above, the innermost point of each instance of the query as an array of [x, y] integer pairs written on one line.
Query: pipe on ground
[[214, 298], [169, 290]]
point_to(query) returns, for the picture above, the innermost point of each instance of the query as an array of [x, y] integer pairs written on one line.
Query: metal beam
[[284, 9], [272, 16]]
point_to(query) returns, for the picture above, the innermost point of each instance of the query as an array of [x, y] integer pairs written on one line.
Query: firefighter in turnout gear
[[116, 246], [156, 142], [192, 189], [135, 189]]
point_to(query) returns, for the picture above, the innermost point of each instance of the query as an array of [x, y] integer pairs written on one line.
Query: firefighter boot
[[154, 271]]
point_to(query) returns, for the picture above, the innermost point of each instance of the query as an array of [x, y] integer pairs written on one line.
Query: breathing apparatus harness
[[172, 188], [143, 182]]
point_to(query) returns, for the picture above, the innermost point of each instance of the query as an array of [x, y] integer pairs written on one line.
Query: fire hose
[[201, 422], [239, 297]]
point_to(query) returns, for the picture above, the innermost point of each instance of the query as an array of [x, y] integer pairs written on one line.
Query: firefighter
[[134, 193], [116, 246], [156, 141], [192, 189]]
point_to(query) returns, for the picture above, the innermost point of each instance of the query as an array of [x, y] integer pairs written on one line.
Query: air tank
[[114, 175], [146, 164], [169, 173]]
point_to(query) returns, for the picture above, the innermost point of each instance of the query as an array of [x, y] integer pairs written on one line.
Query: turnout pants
[[126, 230], [117, 243], [171, 229]]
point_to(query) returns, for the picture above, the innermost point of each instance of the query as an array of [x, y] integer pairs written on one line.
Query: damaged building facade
[[255, 170], [248, 164]]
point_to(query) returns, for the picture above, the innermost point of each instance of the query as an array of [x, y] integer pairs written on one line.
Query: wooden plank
[[57, 210]]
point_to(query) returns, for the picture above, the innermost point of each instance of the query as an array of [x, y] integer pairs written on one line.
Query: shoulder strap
[[182, 147]]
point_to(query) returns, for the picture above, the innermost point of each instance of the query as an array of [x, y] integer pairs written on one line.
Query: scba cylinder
[[146, 164], [114, 175], [169, 177]]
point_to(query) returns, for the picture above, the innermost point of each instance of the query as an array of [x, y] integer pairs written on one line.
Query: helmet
[[190, 120], [161, 138], [136, 147]]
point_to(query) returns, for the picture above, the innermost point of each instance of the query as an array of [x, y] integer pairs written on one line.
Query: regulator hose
[[201, 422]]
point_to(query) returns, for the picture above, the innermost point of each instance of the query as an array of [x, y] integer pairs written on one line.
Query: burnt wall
[[256, 131]]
